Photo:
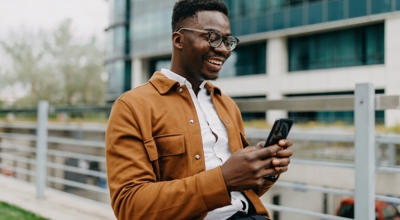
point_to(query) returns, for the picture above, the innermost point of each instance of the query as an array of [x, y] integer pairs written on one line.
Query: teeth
[[215, 62]]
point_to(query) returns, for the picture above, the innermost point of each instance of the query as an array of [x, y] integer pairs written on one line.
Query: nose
[[223, 49]]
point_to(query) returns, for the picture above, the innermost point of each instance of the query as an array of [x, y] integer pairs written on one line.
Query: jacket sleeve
[[134, 189]]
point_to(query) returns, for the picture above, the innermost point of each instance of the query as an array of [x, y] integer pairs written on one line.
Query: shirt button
[[197, 157], [191, 122], [180, 90]]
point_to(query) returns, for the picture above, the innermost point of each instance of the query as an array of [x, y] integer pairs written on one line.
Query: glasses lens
[[215, 39], [231, 42]]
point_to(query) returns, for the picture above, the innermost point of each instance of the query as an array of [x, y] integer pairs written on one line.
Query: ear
[[177, 40]]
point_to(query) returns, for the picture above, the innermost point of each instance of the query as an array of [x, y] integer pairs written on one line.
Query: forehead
[[213, 20]]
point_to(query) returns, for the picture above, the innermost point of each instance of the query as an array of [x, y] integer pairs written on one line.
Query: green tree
[[52, 66]]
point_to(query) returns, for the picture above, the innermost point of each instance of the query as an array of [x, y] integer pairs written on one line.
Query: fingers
[[260, 144], [285, 143], [267, 152], [284, 153], [280, 165]]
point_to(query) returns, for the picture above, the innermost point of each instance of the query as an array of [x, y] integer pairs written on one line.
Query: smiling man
[[175, 146]]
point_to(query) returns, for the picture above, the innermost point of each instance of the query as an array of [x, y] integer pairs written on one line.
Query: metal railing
[[364, 103]]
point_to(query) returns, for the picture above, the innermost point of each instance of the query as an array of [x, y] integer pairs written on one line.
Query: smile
[[216, 62]]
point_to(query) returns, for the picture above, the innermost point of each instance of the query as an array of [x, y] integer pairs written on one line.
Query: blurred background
[[80, 55]]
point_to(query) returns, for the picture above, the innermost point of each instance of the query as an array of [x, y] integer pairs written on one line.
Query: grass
[[11, 212]]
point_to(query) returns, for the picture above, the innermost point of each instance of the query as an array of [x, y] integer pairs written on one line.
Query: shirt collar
[[165, 80]]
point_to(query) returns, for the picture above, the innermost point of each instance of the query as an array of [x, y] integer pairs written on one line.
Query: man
[[175, 146]]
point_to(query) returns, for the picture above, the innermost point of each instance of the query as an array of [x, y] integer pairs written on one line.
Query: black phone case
[[280, 130]]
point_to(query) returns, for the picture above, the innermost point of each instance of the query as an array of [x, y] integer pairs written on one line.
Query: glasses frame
[[210, 32]]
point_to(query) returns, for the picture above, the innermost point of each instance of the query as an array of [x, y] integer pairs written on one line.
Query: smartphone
[[280, 130]]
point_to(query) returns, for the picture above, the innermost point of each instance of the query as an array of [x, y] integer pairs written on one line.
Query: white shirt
[[216, 148]]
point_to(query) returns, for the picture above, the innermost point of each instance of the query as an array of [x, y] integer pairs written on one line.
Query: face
[[200, 61]]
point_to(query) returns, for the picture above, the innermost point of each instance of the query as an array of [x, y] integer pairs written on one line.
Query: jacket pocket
[[167, 152]]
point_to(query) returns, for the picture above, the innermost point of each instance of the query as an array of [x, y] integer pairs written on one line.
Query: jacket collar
[[163, 84]]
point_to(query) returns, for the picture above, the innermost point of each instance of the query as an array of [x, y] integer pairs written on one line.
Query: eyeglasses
[[215, 38]]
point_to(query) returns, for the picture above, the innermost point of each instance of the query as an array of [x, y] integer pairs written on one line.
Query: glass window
[[381, 6], [247, 26], [350, 47], [119, 11], [335, 10], [261, 6], [278, 20], [296, 17], [357, 8], [245, 7], [262, 24], [115, 83], [157, 64], [233, 6], [398, 5], [246, 60], [315, 13], [119, 40]]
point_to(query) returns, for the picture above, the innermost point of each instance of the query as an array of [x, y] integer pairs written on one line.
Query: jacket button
[[180, 90], [197, 157], [191, 122]]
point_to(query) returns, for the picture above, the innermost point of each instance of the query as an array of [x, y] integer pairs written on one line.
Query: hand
[[246, 168]]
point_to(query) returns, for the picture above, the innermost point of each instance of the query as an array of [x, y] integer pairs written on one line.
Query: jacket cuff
[[213, 189]]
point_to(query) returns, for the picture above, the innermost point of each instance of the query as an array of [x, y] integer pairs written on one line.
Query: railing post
[[364, 121], [41, 148]]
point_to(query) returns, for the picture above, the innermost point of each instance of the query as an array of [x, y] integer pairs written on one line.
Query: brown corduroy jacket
[[154, 154]]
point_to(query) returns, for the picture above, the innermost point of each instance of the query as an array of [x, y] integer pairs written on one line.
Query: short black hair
[[188, 8]]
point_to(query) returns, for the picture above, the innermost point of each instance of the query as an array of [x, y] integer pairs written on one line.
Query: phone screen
[[280, 130]]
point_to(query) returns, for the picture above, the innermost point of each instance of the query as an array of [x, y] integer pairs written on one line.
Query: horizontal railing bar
[[17, 158], [56, 140], [76, 155], [297, 104], [303, 212], [24, 137], [87, 127], [307, 136], [58, 109], [77, 170], [19, 170], [76, 142], [322, 163], [320, 103], [314, 188], [382, 169], [17, 147], [250, 133], [303, 186], [316, 103], [388, 199], [77, 184], [388, 139]]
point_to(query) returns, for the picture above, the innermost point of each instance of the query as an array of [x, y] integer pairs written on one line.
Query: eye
[[214, 37]]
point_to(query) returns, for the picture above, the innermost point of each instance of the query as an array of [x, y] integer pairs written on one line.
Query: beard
[[205, 77]]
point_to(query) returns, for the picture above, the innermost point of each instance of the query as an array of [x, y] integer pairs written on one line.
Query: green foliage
[[11, 212], [53, 67]]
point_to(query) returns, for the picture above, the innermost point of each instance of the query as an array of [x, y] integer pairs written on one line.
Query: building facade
[[288, 48]]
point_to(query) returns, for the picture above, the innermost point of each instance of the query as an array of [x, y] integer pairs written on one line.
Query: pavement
[[56, 205]]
